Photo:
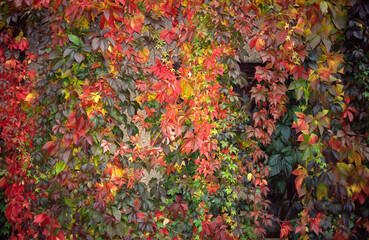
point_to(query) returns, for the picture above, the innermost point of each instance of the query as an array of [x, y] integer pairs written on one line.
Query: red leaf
[[136, 22], [140, 215], [285, 229], [28, 2], [169, 169], [168, 36], [95, 65], [61, 235], [18, 3], [178, 207], [67, 155], [298, 72], [40, 218], [192, 143], [253, 42], [90, 139], [259, 93], [2, 182], [281, 37], [175, 212], [208, 226], [183, 213], [220, 233], [314, 224], [48, 145], [158, 68]]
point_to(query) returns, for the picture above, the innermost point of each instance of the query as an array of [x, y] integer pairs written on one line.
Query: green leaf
[[69, 202], [116, 213], [299, 93], [286, 132], [275, 164], [281, 185], [120, 229], [273, 160], [74, 39], [287, 151], [56, 63], [59, 166], [323, 6], [110, 230], [292, 113], [290, 160], [306, 154]]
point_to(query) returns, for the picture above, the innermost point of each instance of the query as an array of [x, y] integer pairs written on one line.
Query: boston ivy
[[84, 83]]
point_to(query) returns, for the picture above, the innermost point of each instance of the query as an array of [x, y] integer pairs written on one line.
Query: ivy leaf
[[117, 213], [110, 230], [79, 57], [301, 173], [208, 227], [315, 41], [74, 39], [40, 218], [259, 93], [18, 3], [323, 6], [286, 132], [192, 143], [95, 43], [306, 154], [120, 228], [178, 207], [59, 166], [281, 37], [168, 36], [136, 22], [67, 155], [260, 43], [274, 162], [285, 229], [221, 233], [314, 224]]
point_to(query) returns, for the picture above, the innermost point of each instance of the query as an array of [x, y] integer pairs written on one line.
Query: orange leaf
[[260, 43], [137, 21], [2, 182]]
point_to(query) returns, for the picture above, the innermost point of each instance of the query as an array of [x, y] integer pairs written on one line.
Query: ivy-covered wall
[[95, 95]]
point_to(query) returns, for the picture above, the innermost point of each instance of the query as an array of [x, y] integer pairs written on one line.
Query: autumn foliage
[[84, 83]]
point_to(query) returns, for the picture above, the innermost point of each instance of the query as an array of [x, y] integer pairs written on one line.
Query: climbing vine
[[98, 95]]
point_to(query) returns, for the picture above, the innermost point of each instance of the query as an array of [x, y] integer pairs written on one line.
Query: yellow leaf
[[145, 53], [166, 221], [356, 189], [82, 23], [96, 97], [198, 193], [249, 176], [179, 167], [66, 74], [321, 191], [186, 89], [103, 112], [151, 96], [30, 97]]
